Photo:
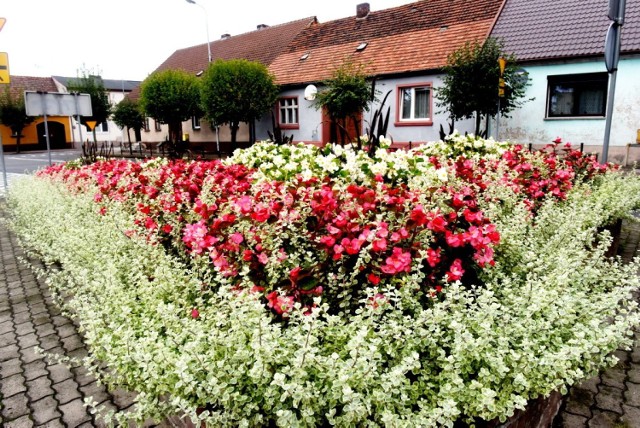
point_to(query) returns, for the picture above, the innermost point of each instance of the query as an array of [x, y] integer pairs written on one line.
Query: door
[[344, 131]]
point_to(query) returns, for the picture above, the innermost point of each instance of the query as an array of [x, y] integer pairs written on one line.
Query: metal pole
[[46, 127], [607, 127], [498, 121], [206, 17], [4, 168], [78, 124]]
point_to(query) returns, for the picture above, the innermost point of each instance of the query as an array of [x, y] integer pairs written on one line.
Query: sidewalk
[[35, 392]]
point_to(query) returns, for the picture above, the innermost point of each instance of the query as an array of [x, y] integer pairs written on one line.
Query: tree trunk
[[478, 122], [234, 135]]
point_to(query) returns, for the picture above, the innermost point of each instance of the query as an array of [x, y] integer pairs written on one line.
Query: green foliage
[[237, 91], [347, 95], [127, 114], [100, 105], [13, 114], [171, 96], [471, 82]]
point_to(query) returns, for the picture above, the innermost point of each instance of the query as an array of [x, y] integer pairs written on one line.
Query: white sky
[[128, 39]]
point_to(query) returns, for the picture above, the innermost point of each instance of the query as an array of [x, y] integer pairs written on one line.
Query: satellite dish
[[310, 93]]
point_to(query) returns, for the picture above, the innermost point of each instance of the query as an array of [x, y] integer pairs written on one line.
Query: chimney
[[262, 26], [362, 10], [225, 36]]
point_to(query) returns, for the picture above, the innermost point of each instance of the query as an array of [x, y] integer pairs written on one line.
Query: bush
[[299, 287]]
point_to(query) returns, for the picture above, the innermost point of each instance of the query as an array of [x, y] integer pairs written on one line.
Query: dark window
[[195, 122], [146, 124], [104, 126], [578, 95], [158, 125]]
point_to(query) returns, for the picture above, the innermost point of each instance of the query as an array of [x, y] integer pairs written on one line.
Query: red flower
[[398, 261], [455, 271], [195, 314]]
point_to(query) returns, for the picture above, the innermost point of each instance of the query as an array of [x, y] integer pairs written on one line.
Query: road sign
[[91, 124], [57, 104], [4, 68], [2, 21]]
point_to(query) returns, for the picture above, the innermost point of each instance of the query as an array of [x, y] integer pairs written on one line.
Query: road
[[29, 162]]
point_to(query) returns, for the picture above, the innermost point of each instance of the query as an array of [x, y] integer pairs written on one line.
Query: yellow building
[[34, 136]]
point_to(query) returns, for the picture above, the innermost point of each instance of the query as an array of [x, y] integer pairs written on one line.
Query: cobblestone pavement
[[611, 400], [36, 392]]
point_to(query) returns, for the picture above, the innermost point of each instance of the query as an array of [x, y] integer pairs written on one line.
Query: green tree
[[471, 82], [127, 114], [171, 97], [237, 91], [348, 93], [91, 84], [13, 114]]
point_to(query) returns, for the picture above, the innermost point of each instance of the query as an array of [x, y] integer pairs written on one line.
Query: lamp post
[[206, 17]]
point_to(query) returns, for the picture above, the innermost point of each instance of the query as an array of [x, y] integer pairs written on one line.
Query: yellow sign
[[2, 21], [502, 62], [4, 68], [501, 87], [91, 124]]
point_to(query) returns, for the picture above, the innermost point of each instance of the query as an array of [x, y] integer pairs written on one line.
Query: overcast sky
[[128, 39]]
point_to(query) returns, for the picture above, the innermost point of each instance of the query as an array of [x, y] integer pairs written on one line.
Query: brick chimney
[[262, 26], [362, 10]]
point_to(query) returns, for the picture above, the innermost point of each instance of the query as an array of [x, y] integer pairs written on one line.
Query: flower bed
[[297, 286]]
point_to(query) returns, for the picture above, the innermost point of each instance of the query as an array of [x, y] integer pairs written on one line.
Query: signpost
[[4, 68], [502, 63], [611, 58], [56, 104]]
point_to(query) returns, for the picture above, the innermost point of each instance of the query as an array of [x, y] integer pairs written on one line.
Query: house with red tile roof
[[264, 45], [33, 136], [560, 43], [402, 48]]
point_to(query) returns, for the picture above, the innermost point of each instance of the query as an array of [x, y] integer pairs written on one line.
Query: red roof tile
[[260, 45], [413, 37], [546, 29], [19, 84]]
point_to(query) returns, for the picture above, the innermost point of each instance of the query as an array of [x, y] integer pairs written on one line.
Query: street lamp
[[206, 16]]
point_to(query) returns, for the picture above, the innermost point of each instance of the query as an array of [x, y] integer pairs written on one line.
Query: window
[[146, 124], [104, 126], [195, 122], [577, 95], [414, 104], [288, 113], [158, 125]]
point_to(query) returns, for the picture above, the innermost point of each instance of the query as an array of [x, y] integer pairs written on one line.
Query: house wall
[[29, 140], [529, 126], [310, 118]]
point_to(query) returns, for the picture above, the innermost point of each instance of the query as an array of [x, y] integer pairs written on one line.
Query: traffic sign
[[91, 124], [2, 21], [4, 68]]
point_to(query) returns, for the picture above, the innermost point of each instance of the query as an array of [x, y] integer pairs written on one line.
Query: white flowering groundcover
[[296, 286]]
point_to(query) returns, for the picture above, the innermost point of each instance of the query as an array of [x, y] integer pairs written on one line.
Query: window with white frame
[[146, 124], [195, 122], [414, 103], [288, 113], [158, 125], [577, 95]]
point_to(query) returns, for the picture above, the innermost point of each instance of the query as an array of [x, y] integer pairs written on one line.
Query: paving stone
[[14, 407], [55, 423], [66, 330], [27, 341], [590, 384], [632, 394], [49, 342], [631, 415], [35, 369], [605, 420], [66, 391], [6, 327], [38, 308], [25, 328], [97, 393], [45, 410], [44, 330], [609, 398], [41, 319], [82, 376], [9, 352], [59, 320], [12, 385], [615, 377], [10, 367], [634, 373], [29, 355], [579, 402], [72, 343], [22, 316], [123, 399], [21, 422], [75, 413], [59, 372], [39, 388]]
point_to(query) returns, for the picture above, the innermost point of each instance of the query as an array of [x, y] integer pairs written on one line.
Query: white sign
[[57, 104]]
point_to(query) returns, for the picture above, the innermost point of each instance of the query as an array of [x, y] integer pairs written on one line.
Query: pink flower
[[433, 257], [244, 203], [195, 314], [398, 261], [379, 245], [262, 258], [454, 240], [352, 246], [279, 303], [455, 271], [378, 300], [236, 238]]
